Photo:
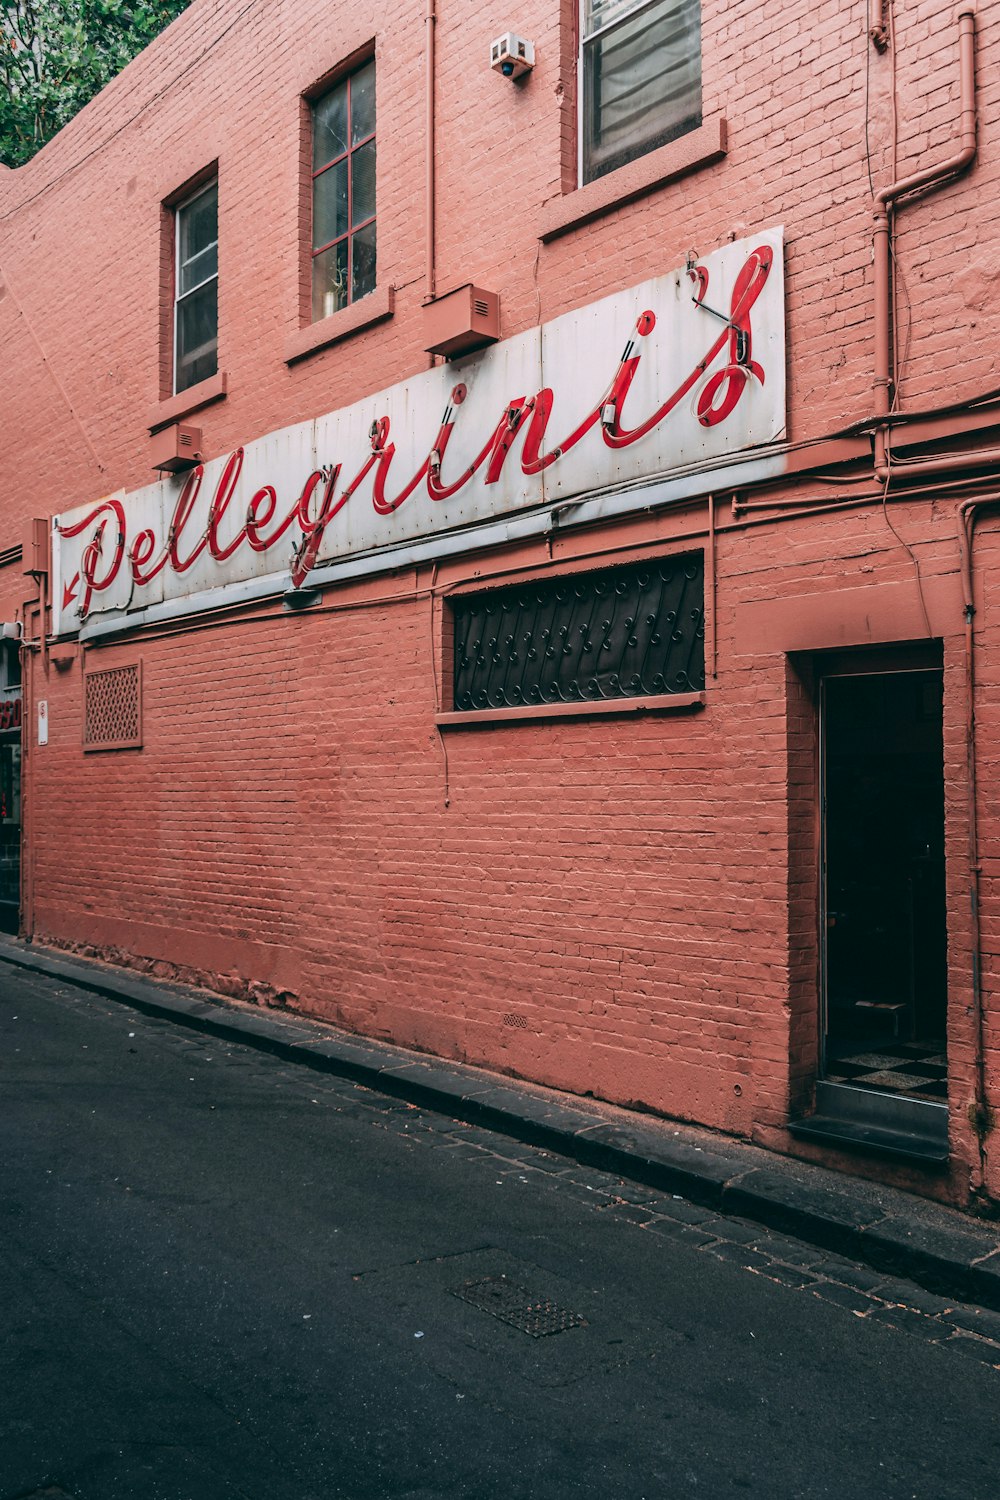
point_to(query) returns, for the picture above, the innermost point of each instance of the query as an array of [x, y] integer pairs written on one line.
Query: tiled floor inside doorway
[[917, 1069]]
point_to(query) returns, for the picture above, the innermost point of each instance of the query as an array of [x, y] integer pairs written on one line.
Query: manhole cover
[[513, 1305]]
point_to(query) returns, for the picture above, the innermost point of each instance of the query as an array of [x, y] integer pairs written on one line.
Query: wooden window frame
[[343, 79]]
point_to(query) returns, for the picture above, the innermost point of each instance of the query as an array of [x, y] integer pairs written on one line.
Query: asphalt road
[[224, 1276]]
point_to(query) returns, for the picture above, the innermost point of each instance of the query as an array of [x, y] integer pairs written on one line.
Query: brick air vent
[[112, 718]]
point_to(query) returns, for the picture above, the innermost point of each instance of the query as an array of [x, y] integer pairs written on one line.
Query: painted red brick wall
[[620, 906]]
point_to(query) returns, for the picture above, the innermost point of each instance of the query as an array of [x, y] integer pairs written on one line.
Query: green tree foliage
[[57, 54]]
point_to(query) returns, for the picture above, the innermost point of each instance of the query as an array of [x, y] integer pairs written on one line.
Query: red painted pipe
[[430, 21], [917, 182]]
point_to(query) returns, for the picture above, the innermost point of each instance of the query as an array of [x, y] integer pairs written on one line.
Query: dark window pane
[[363, 262], [330, 126], [344, 193], [635, 631], [329, 284], [363, 183], [642, 84], [330, 204], [363, 103], [201, 267], [198, 224], [197, 335]]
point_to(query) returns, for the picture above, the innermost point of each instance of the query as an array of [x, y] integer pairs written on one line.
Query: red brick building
[[557, 632]]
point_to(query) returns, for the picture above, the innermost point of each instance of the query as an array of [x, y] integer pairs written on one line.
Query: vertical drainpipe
[[982, 1113], [884, 201], [930, 177], [430, 21]]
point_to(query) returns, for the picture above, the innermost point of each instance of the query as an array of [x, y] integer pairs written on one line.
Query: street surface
[[224, 1277]]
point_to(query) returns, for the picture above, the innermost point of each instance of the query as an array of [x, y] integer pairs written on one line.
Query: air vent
[[112, 718], [461, 322], [176, 448]]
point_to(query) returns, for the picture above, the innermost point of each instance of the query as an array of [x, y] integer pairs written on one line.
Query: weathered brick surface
[[625, 907]]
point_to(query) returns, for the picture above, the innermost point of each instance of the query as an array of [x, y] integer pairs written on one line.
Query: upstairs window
[[343, 193], [640, 78], [196, 288]]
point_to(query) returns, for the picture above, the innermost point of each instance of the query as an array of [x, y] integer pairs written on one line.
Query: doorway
[[884, 931]]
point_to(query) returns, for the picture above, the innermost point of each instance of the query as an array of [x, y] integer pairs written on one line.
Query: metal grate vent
[[112, 718], [480, 308], [629, 632], [503, 1299]]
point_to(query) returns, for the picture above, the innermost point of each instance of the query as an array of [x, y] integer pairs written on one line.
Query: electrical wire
[[153, 99], [910, 553], [5, 277]]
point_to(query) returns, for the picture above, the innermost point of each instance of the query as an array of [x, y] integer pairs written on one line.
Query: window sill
[[669, 703], [185, 402], [699, 148], [374, 308]]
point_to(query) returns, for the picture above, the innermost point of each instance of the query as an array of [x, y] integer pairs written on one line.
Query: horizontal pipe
[[979, 458]]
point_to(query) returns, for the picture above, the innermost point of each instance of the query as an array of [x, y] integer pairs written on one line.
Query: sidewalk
[[893, 1231]]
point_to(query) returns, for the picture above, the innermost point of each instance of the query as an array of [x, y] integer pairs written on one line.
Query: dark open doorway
[[883, 913], [886, 980]]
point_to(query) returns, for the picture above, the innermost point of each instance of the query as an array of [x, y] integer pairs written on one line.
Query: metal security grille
[[112, 717], [629, 632]]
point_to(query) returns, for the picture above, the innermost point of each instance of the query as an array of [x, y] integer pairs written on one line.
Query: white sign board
[[687, 367]]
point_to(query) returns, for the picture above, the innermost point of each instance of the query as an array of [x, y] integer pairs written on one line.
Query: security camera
[[511, 55]]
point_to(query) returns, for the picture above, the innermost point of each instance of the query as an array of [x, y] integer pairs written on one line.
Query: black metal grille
[[511, 1304], [630, 632]]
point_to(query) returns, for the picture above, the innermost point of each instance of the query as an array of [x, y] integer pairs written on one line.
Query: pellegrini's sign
[[686, 368]]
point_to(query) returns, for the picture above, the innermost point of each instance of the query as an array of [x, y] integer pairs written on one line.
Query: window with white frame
[[343, 193], [196, 288], [640, 78]]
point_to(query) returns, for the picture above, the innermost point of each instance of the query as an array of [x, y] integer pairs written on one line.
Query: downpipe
[[885, 203]]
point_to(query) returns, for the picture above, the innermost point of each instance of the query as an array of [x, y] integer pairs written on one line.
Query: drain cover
[[503, 1299]]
